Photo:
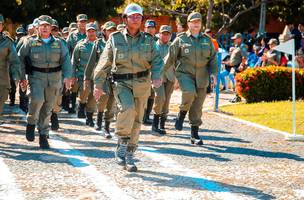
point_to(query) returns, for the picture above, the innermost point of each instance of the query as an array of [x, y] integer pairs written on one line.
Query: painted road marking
[[207, 184], [102, 182]]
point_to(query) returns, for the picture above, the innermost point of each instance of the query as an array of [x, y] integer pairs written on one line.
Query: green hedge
[[269, 84]]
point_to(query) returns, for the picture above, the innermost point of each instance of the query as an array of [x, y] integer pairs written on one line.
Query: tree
[[65, 11]]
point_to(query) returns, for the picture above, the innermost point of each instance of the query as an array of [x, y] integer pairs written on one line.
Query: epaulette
[[180, 34], [8, 37]]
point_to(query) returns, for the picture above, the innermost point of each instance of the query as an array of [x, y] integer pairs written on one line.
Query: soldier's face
[[165, 37], [91, 34], [134, 21], [195, 26], [1, 27], [82, 24], [45, 30], [108, 32], [151, 30]]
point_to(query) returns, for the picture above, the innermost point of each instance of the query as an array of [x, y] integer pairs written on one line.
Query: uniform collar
[[52, 38], [188, 33], [126, 32]]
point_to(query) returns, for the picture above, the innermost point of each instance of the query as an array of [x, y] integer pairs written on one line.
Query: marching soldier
[[163, 93], [80, 59], [150, 27], [74, 37], [130, 56], [196, 55], [9, 62], [106, 101], [45, 59]]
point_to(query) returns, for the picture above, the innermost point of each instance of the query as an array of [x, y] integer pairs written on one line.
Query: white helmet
[[133, 8]]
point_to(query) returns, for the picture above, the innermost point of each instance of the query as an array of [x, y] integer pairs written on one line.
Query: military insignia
[[36, 56], [120, 55], [186, 51], [55, 45]]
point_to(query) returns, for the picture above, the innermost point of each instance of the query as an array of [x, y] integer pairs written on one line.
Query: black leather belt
[[117, 77], [46, 70]]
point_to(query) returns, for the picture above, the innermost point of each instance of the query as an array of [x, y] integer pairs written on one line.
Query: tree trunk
[[209, 14]]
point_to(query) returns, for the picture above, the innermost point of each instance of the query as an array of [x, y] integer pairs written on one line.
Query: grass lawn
[[276, 115]]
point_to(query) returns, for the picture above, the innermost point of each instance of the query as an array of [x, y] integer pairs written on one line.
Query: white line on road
[[8, 188], [79, 161], [207, 184]]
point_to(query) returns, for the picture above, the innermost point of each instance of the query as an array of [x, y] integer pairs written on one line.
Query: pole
[[217, 87], [294, 127], [262, 18]]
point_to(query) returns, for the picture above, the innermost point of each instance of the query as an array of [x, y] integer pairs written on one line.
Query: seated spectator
[[253, 56], [272, 57], [227, 71]]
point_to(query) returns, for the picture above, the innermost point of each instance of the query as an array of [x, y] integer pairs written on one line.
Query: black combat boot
[[54, 122], [106, 130], [43, 142], [30, 132], [121, 149], [72, 100], [162, 122], [81, 113], [89, 120], [155, 125], [195, 139], [99, 121], [23, 101], [180, 120], [147, 113], [65, 102], [130, 163]]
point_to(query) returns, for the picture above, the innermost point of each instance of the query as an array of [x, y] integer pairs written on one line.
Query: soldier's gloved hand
[[68, 83], [23, 85], [97, 92], [156, 83]]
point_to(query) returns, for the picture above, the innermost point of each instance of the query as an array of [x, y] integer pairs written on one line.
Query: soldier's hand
[[86, 84], [157, 83], [68, 83], [23, 85], [97, 93]]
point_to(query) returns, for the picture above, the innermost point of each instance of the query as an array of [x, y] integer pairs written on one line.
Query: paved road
[[236, 162]]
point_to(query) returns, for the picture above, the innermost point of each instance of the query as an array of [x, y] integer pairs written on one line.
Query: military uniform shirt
[[125, 54], [193, 58], [9, 61]]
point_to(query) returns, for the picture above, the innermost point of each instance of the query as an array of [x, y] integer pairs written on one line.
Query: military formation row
[[126, 70]]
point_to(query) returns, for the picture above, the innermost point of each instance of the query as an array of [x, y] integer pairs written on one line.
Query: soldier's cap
[[108, 25], [55, 23], [20, 30], [165, 28], [73, 25], [194, 16], [273, 41], [65, 30], [82, 17], [90, 26], [121, 26], [133, 8], [237, 36], [150, 23], [45, 19], [35, 22], [1, 18], [30, 26]]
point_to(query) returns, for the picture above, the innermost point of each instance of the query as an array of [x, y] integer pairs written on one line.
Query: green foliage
[[268, 84], [65, 11]]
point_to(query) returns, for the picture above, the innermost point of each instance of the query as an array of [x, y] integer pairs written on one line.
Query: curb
[[286, 134]]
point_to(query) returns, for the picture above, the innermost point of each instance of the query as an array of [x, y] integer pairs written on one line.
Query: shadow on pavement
[[178, 181]]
